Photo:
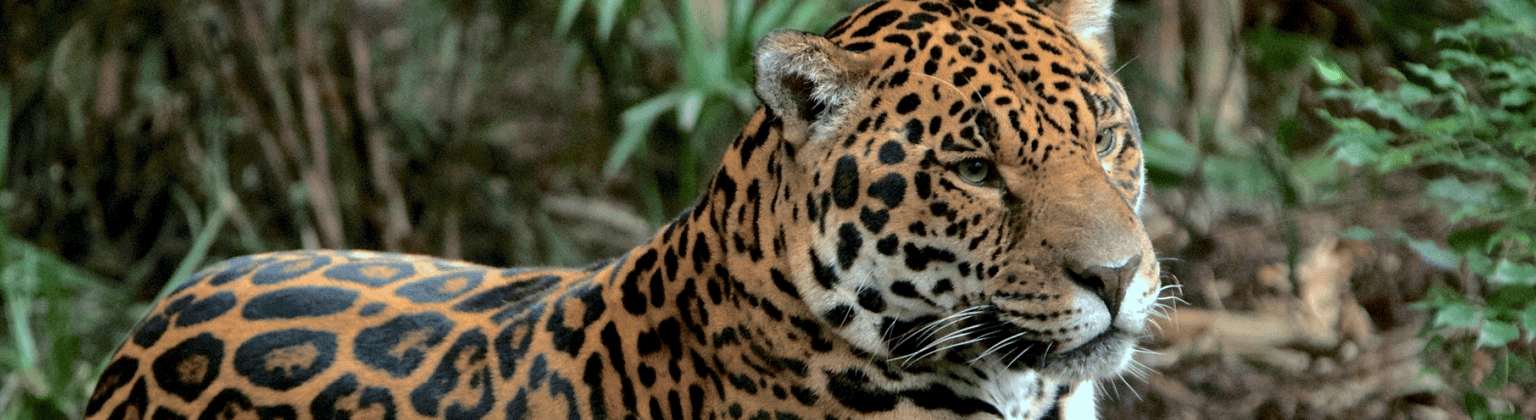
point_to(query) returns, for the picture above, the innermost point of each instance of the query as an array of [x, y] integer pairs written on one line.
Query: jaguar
[[934, 215]]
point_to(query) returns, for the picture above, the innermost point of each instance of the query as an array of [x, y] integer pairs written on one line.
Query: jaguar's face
[[971, 191]]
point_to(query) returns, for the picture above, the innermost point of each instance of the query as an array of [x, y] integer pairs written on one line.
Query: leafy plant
[[56, 318], [1470, 119], [712, 94], [54, 314]]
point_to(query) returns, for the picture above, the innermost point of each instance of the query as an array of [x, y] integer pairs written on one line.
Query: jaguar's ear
[[1088, 19], [808, 82]]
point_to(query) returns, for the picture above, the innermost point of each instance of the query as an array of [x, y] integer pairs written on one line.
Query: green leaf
[[1394, 159], [1473, 239], [1440, 78], [738, 30], [1499, 375], [1519, 237], [768, 17], [1241, 174], [1433, 254], [1445, 128], [1496, 334], [5, 146], [1506, 300], [1358, 143], [1170, 159], [1513, 273], [1457, 33], [1316, 177], [607, 17], [1476, 404], [1437, 297], [19, 282], [1457, 315], [1411, 93], [1356, 154], [1515, 98], [1330, 72], [1479, 263], [567, 16], [1528, 318], [637, 122], [1521, 367], [688, 110], [1461, 58], [1358, 233], [808, 15], [206, 235], [1461, 199]]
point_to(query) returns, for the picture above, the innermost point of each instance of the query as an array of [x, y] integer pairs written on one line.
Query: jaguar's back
[[934, 216]]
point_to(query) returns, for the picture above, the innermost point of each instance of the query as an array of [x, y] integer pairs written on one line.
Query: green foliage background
[[142, 140], [1468, 116]]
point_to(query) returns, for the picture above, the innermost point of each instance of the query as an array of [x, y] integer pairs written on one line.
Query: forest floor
[[1339, 339]]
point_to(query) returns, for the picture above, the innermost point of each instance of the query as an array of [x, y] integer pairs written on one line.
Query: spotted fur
[[934, 216]]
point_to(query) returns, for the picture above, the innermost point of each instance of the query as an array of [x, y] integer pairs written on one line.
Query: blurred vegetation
[[1466, 124], [708, 90], [141, 140], [1343, 119]]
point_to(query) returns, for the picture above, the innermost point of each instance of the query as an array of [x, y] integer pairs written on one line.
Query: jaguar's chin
[[1105, 355]]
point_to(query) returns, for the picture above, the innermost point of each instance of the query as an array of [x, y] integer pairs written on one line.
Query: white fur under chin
[[1016, 394], [1021, 395], [1082, 404]]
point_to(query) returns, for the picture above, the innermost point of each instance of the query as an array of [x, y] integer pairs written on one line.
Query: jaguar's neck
[[704, 258], [716, 287]]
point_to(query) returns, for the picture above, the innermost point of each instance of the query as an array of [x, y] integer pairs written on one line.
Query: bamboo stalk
[[317, 176], [397, 223]]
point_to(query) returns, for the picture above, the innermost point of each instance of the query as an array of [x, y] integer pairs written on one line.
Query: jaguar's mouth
[[1102, 355], [988, 335]]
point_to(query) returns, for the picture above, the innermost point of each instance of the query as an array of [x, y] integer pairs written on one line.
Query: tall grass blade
[[637, 120], [199, 251]]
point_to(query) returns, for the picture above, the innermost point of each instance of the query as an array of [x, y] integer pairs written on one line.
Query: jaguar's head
[[965, 180]]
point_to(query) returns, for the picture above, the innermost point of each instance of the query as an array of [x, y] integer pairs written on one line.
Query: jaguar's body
[[934, 216]]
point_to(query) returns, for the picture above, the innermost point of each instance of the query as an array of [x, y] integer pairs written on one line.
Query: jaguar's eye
[[975, 171], [1105, 142]]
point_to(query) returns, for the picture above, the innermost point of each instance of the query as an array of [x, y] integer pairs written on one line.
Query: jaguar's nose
[[1108, 282]]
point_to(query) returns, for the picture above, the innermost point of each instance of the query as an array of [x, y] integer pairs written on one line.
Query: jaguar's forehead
[[1008, 53]]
